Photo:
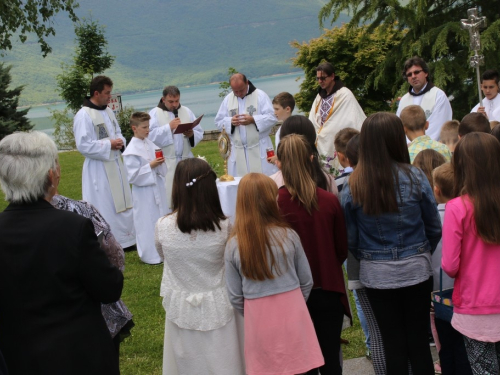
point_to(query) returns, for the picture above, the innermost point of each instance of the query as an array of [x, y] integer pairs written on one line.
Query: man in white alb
[[334, 109], [423, 93], [104, 179], [165, 118], [248, 117]]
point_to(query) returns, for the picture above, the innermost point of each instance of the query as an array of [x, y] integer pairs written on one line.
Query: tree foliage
[[31, 16], [224, 85], [355, 54], [11, 119], [63, 129], [91, 50], [432, 31], [123, 118], [91, 57]]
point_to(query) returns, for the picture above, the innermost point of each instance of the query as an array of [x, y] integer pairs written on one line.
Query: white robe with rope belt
[[264, 121], [95, 185]]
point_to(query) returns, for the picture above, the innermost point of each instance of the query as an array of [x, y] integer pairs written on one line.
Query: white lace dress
[[203, 334]]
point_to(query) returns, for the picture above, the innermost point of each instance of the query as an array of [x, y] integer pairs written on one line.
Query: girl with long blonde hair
[[268, 279], [317, 217]]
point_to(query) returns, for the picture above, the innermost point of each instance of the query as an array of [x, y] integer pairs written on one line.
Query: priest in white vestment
[[165, 118], [423, 93], [247, 114], [146, 173], [104, 180], [333, 109], [491, 100]]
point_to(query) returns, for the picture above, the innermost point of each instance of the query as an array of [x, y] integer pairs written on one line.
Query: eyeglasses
[[321, 78], [415, 72]]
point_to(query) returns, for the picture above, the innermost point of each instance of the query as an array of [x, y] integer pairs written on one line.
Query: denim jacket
[[415, 229]]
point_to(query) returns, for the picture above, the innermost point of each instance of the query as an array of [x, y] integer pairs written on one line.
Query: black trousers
[[403, 318], [327, 314], [453, 356]]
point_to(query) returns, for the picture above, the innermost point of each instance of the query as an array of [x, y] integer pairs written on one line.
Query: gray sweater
[[295, 271]]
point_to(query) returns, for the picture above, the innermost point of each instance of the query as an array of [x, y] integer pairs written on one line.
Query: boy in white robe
[[146, 172], [491, 101]]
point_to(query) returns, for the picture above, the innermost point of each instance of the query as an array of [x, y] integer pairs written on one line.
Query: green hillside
[[158, 42]]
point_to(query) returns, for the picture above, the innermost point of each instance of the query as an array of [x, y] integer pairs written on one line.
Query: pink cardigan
[[474, 264]]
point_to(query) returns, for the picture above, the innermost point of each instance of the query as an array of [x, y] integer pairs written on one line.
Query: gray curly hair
[[25, 161]]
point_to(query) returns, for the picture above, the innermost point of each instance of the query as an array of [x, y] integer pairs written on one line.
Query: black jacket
[[53, 279]]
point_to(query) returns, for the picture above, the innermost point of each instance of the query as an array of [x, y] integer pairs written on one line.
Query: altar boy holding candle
[[146, 172]]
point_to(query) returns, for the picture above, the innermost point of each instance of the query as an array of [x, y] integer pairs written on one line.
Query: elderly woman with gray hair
[[53, 274]]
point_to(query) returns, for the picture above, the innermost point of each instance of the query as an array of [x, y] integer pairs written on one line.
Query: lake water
[[202, 99]]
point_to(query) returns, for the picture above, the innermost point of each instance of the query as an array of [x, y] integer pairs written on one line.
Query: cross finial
[[473, 23]]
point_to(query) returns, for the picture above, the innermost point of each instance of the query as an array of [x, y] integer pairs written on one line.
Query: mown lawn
[[142, 352]]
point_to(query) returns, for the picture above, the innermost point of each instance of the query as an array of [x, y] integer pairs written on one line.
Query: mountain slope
[[159, 42]]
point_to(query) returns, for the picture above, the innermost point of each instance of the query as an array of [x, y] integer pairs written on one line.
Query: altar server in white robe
[[333, 109], [164, 120], [423, 93], [146, 173], [491, 101], [247, 114], [104, 179]]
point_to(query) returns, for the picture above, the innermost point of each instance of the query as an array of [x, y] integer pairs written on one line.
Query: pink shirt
[[485, 328], [474, 264]]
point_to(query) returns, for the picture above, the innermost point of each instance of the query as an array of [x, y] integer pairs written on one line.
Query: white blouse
[[193, 284]]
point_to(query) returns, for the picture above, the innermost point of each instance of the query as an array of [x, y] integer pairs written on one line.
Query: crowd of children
[[284, 256]]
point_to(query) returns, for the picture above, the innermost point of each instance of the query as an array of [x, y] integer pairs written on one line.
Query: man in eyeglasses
[[247, 114], [334, 109], [423, 93]]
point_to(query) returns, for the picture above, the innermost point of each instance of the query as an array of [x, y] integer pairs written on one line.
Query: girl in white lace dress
[[202, 333]]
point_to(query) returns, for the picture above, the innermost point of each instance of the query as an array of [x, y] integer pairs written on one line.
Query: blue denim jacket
[[415, 229]]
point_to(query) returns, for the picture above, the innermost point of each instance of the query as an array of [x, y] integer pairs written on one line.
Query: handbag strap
[[441, 280]]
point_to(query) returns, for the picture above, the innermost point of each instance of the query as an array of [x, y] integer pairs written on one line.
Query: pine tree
[[11, 119]]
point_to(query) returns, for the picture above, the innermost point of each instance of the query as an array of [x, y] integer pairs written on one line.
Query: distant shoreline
[[142, 92]]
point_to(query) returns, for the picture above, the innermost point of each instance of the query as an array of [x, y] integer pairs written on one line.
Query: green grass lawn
[[142, 352]]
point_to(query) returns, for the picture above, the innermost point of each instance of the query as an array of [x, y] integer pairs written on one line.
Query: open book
[[188, 126]]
